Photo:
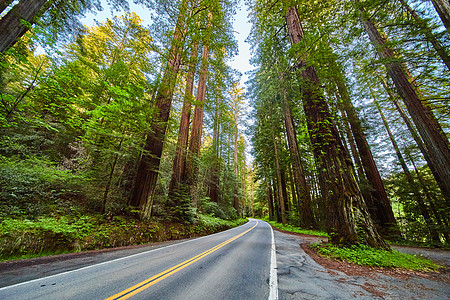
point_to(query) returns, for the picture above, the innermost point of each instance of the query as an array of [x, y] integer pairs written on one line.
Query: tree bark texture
[[148, 168], [429, 128], [4, 4], [214, 181], [443, 9], [340, 191], [270, 200], [11, 25], [281, 199], [301, 186], [422, 207], [379, 205], [197, 123], [417, 139], [183, 133]]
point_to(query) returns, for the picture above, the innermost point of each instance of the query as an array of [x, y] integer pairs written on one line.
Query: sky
[[241, 28]]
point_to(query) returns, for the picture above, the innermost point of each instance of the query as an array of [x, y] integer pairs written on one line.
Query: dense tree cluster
[[350, 101]]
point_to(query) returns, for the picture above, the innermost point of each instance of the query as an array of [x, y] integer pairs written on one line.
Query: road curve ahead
[[234, 264]]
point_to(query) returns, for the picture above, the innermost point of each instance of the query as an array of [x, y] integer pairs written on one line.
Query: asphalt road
[[235, 264]]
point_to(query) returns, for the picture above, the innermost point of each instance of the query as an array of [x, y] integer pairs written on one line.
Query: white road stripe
[[273, 281], [117, 259]]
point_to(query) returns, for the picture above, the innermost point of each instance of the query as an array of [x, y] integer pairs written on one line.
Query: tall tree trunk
[[422, 207], [379, 205], [13, 24], [281, 199], [339, 188], [301, 186], [214, 182], [183, 133], [270, 200], [429, 128], [4, 4], [355, 153], [417, 139], [148, 168], [197, 123], [443, 9], [236, 170], [422, 25]]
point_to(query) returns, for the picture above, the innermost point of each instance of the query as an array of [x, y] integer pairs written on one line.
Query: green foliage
[[295, 229], [367, 256]]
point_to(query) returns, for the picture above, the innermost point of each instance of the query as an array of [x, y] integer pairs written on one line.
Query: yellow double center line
[[158, 277]]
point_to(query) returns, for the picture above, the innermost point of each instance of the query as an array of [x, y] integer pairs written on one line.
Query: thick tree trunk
[[183, 133], [12, 26], [429, 128], [379, 205], [422, 25], [302, 189], [281, 199], [197, 123], [422, 207], [443, 9], [417, 139], [339, 188], [147, 174]]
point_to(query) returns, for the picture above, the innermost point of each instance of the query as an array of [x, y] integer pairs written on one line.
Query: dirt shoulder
[[437, 255]]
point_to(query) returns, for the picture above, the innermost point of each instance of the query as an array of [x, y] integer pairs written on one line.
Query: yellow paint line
[[158, 277]]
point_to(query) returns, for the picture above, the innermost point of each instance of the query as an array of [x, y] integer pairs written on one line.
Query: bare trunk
[[417, 139], [429, 128], [214, 182], [379, 205], [197, 123], [422, 207], [4, 4], [270, 200], [339, 188], [443, 9], [301, 186], [236, 171], [13, 24], [183, 133], [280, 185], [147, 174]]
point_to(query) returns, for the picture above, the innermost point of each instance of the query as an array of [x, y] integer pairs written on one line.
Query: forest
[[123, 133]]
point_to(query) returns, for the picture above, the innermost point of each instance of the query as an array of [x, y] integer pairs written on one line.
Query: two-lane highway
[[235, 264]]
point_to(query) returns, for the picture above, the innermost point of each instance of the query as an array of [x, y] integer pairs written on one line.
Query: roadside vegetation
[[367, 256], [25, 238], [291, 228]]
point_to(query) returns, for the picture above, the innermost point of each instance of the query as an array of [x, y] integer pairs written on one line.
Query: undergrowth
[[367, 256], [295, 229], [23, 238]]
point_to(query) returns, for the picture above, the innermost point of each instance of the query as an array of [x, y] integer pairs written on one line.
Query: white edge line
[[115, 260], [273, 281]]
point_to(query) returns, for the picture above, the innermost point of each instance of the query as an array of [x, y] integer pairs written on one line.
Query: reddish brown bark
[[197, 124], [429, 128], [183, 133], [214, 181], [301, 186], [340, 191], [443, 9], [147, 173], [378, 204], [270, 201], [12, 27], [281, 199], [422, 207]]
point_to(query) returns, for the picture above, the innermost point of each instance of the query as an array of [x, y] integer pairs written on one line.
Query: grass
[[368, 256], [295, 229]]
